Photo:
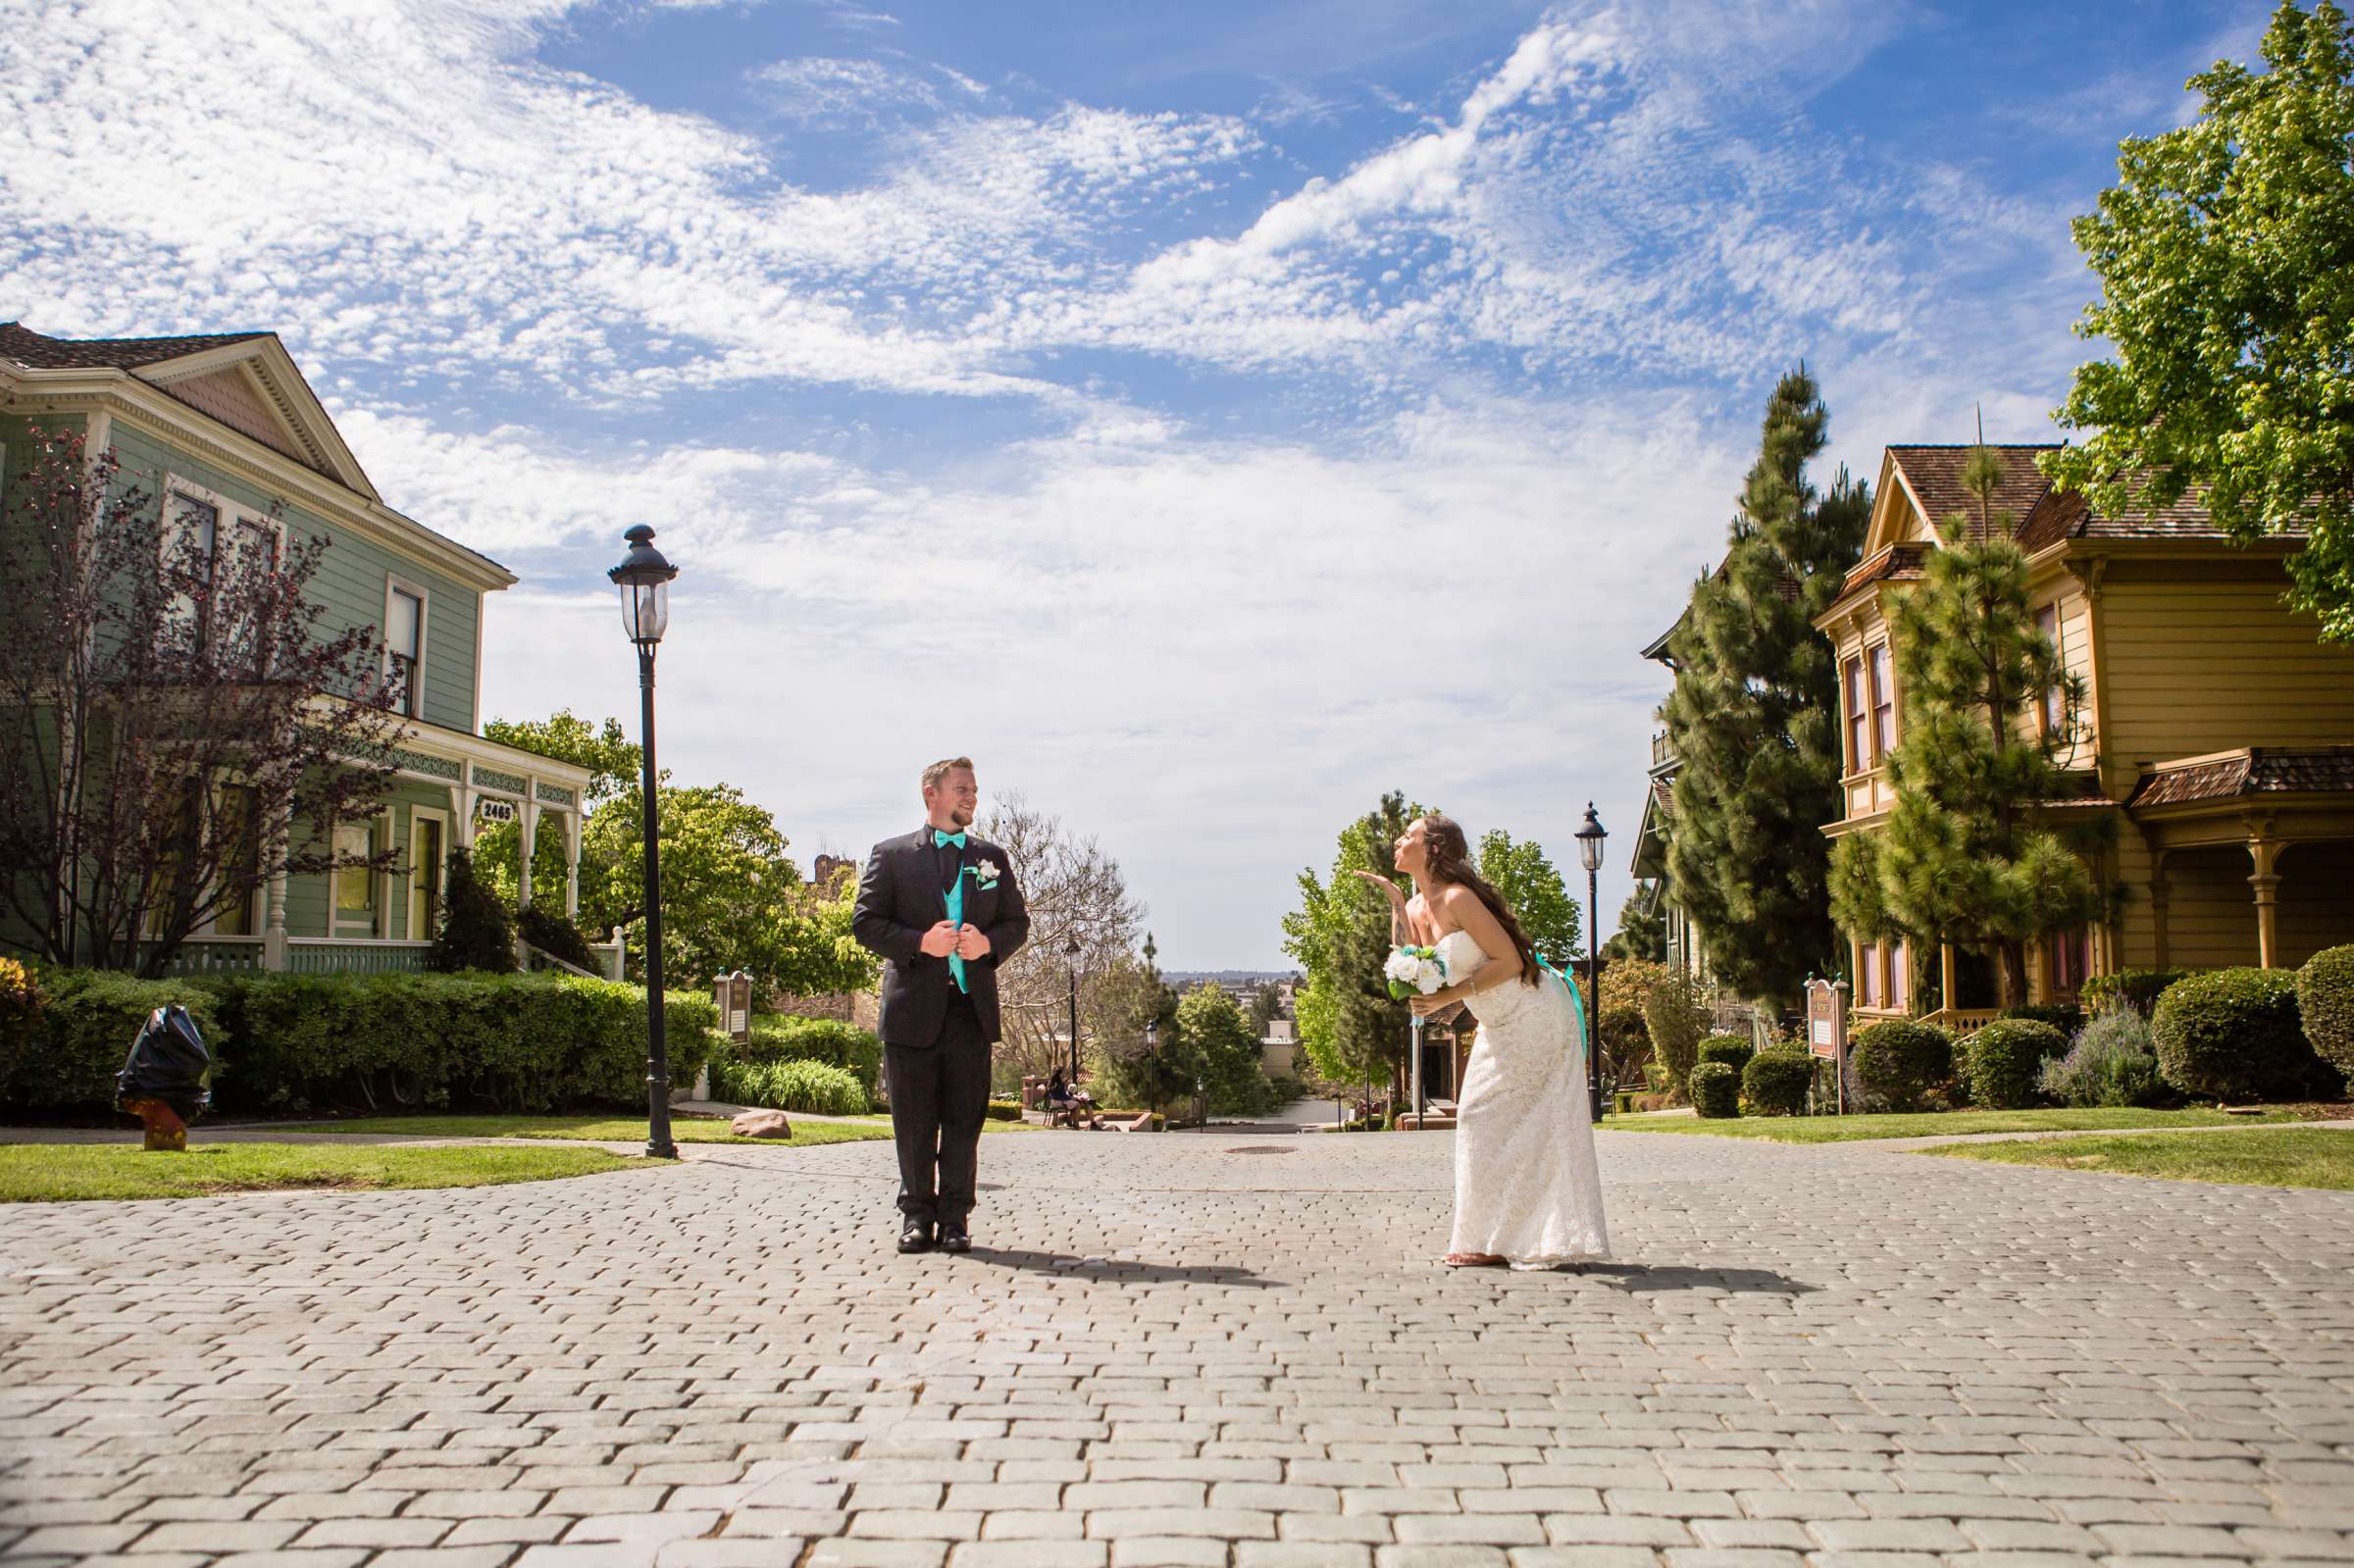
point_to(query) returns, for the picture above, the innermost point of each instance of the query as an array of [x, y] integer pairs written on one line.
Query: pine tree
[[477, 932], [1350, 1027], [1967, 856], [1754, 714]]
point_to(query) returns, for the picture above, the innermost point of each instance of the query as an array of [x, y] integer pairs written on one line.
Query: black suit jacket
[[900, 898]]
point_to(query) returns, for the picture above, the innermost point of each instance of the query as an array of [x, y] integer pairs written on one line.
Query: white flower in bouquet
[[1413, 969]]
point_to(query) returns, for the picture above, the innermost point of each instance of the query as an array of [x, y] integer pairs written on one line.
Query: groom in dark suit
[[940, 909]]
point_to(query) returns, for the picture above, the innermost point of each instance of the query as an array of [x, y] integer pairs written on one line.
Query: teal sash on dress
[[1577, 1004]]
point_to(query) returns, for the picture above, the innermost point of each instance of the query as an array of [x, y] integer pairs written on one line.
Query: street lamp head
[[643, 579], [1151, 1031], [1071, 949], [1589, 841]]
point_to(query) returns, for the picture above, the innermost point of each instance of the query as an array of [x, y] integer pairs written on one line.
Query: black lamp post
[[643, 577], [1070, 953], [1589, 855]]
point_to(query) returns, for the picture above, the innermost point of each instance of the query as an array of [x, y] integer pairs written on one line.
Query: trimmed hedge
[[2235, 1035], [1716, 1090], [794, 1084], [297, 1043], [791, 1037], [2326, 1005], [1733, 1050], [1005, 1111], [1898, 1061], [2066, 1017], [2005, 1062], [2138, 989], [1775, 1083]]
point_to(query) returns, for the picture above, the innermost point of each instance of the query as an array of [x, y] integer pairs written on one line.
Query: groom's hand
[[971, 944], [939, 940]]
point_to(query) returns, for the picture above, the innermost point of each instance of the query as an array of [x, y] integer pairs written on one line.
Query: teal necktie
[[955, 899]]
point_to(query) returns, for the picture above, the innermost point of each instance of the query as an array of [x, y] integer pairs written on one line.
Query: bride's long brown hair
[[1449, 854]]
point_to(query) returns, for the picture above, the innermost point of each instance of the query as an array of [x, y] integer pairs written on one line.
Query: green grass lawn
[[604, 1129], [1942, 1124], [2262, 1156], [35, 1173]]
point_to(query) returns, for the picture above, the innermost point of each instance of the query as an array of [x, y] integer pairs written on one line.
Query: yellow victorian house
[[2217, 731]]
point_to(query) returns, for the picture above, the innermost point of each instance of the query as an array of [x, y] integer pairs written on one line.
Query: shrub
[[19, 1015], [791, 1085], [558, 937], [1775, 1081], [1675, 1021], [2110, 1063], [84, 1030], [1716, 1090], [2066, 1017], [1005, 1111], [2005, 1061], [2137, 989], [1899, 1061], [2325, 1003], [2234, 1034], [787, 1037], [1733, 1050], [476, 932]]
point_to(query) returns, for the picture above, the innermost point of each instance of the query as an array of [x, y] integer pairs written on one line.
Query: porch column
[[1950, 991], [2265, 851], [529, 818], [2158, 898], [461, 796], [572, 865], [274, 928]]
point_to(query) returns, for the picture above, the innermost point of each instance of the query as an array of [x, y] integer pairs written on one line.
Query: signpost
[[734, 995], [1826, 1029]]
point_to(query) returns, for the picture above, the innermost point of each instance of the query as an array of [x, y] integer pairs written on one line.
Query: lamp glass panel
[[646, 610]]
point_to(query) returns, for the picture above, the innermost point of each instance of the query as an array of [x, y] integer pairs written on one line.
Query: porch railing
[[343, 955], [1962, 1021], [218, 955]]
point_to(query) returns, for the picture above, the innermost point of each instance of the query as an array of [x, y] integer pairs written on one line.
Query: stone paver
[[1231, 1349]]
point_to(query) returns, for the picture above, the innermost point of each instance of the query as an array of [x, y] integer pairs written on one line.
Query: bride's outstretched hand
[[1397, 895]]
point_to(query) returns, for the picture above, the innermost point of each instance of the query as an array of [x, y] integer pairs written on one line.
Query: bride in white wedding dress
[[1528, 1191]]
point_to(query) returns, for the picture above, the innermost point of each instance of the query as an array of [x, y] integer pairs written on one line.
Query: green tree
[[613, 762], [1215, 1048], [1267, 1006], [1754, 714], [1968, 855], [1532, 889], [2226, 255], [1351, 1028], [730, 896], [1642, 927]]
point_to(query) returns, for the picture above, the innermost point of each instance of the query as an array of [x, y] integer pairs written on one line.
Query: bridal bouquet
[[1415, 971]]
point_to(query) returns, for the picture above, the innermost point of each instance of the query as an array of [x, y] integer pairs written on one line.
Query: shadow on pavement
[[1642, 1280], [1119, 1271]]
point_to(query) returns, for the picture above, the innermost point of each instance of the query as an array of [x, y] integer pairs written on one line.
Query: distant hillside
[[1226, 976]]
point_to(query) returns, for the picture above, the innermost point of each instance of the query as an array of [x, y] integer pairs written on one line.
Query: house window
[[2055, 698], [1868, 974], [1858, 737], [355, 884], [404, 644], [222, 538], [235, 816], [2067, 959], [1883, 702], [1900, 974]]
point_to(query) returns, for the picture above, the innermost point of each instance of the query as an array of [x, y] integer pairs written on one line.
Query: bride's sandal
[[1472, 1260]]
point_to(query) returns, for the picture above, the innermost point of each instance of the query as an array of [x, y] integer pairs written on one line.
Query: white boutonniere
[[985, 873]]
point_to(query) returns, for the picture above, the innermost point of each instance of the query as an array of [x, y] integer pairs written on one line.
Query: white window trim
[[394, 583], [338, 924], [441, 873], [227, 514]]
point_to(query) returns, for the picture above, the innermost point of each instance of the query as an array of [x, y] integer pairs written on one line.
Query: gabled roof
[[1932, 478], [247, 382]]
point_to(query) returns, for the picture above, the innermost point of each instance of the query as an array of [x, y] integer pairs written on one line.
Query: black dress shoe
[[917, 1238], [956, 1238]]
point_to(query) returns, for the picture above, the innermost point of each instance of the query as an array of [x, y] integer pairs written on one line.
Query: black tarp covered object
[[168, 1062]]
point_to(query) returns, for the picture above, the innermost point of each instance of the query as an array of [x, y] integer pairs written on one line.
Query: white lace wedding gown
[[1526, 1186]]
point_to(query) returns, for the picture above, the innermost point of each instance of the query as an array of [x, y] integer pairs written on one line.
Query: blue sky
[[1208, 416]]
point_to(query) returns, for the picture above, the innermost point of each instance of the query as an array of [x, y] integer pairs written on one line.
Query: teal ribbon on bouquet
[[1578, 1005]]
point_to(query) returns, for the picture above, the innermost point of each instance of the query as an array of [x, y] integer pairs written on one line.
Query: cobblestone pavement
[[1213, 1349]]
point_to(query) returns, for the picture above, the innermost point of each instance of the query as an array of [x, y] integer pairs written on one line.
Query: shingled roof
[[2252, 771], [38, 351], [2040, 514]]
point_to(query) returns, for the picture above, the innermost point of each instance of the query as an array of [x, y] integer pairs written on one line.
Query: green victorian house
[[225, 430]]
